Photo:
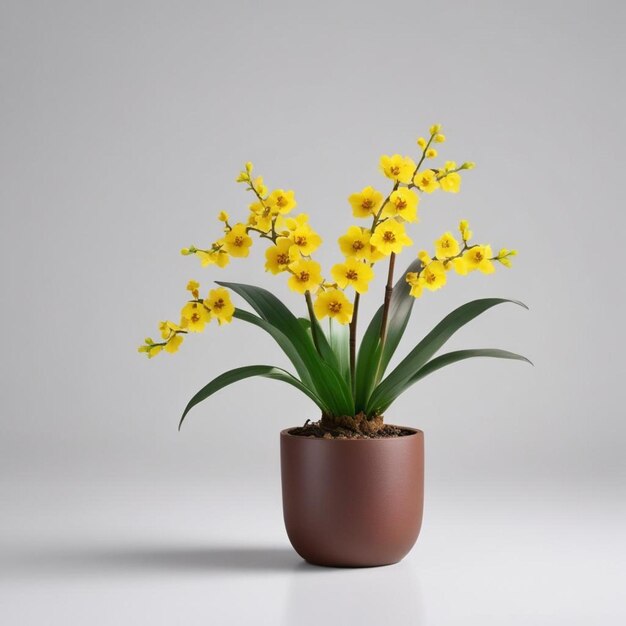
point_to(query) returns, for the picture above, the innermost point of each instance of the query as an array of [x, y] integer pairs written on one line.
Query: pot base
[[339, 566]]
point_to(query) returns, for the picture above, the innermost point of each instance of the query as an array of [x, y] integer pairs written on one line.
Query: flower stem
[[353, 323], [309, 306], [387, 302]]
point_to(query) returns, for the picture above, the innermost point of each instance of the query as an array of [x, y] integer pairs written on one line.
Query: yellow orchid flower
[[334, 304], [390, 236], [357, 274]]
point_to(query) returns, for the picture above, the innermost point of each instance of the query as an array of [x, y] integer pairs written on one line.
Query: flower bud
[[465, 231], [435, 128], [424, 257], [468, 165]]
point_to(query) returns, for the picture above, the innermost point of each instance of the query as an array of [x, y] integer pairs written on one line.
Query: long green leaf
[[328, 383], [333, 388], [389, 389], [232, 376], [453, 357], [282, 340], [373, 358], [272, 310], [400, 308], [305, 322], [367, 362], [325, 349], [339, 340]]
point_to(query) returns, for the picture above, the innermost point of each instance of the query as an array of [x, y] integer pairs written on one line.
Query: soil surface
[[358, 427]]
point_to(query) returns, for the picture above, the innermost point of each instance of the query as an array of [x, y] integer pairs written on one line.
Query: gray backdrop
[[123, 127]]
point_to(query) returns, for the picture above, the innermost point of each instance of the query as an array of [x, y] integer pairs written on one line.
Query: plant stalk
[[353, 323], [309, 306], [387, 302]]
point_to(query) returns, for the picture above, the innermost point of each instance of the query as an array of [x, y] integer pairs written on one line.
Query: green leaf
[[232, 376], [325, 350], [367, 362], [339, 340], [326, 380], [305, 322], [389, 389], [282, 340], [400, 308], [459, 355], [373, 358]]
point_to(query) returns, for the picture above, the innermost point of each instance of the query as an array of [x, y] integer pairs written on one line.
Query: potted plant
[[352, 483]]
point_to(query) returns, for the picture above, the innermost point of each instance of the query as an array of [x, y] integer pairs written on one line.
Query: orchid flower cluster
[[294, 241], [352, 384]]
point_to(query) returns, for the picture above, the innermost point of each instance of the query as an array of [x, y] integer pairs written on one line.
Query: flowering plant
[[344, 383]]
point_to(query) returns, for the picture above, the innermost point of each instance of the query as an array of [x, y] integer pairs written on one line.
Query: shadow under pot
[[353, 502]]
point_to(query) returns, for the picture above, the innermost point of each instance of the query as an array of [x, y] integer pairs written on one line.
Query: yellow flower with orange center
[[446, 246], [305, 239], [306, 275], [237, 241], [357, 274], [402, 203], [220, 306], [196, 315], [426, 181], [397, 168], [281, 201], [433, 276], [479, 258], [356, 243], [390, 236], [334, 304], [280, 256], [366, 203]]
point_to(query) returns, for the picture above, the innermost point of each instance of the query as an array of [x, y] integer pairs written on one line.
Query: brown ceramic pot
[[352, 502]]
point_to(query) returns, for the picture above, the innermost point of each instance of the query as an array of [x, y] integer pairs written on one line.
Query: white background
[[123, 127]]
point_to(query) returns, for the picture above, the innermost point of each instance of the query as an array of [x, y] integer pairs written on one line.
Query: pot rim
[[414, 432]]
